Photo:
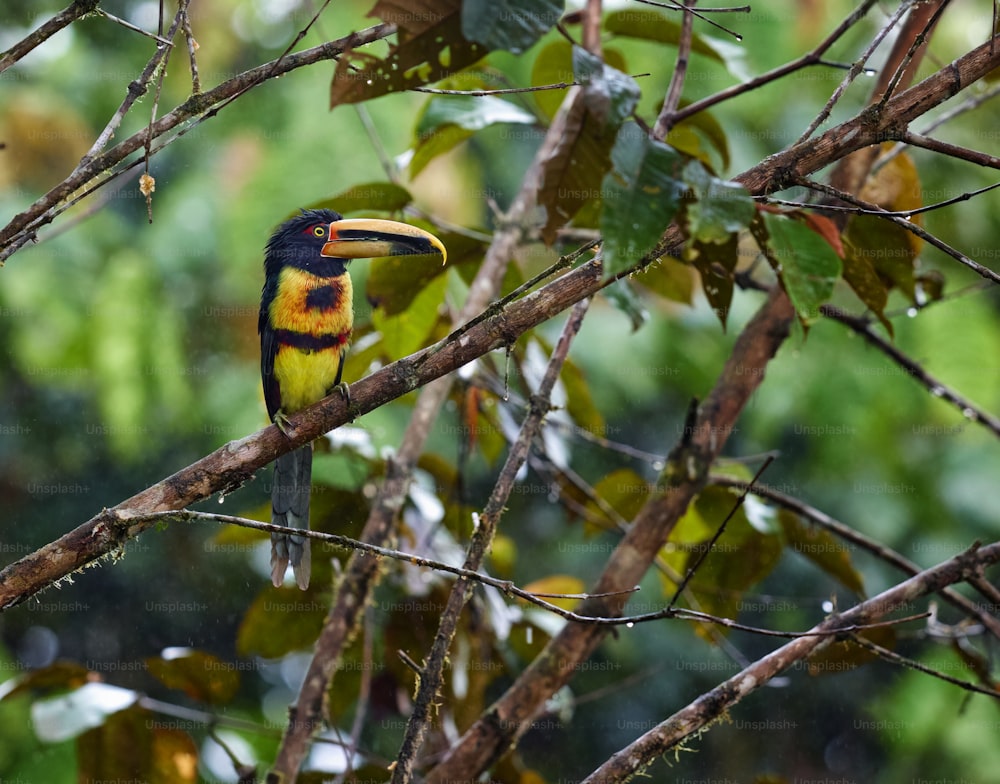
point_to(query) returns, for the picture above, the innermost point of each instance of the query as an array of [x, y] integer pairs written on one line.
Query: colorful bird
[[306, 317]]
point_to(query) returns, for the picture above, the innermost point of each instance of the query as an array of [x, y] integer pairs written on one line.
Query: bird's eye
[[319, 231]]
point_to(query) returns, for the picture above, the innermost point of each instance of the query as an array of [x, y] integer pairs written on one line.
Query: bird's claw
[[281, 422], [345, 392]]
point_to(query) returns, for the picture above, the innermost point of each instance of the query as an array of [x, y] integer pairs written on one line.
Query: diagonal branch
[[39, 36], [432, 676], [508, 718], [23, 227], [688, 721]]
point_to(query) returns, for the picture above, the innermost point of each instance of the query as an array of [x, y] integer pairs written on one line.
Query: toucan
[[306, 318]]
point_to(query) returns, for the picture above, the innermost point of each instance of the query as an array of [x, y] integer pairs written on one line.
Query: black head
[[299, 242]]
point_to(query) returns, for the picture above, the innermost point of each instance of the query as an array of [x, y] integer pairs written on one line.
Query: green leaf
[[720, 208], [201, 676], [739, 560], [512, 25], [624, 491], [610, 95], [826, 551], [446, 122], [669, 279], [715, 263], [654, 26], [473, 113], [394, 281], [641, 195], [706, 124], [860, 275], [406, 331], [369, 196], [806, 264], [623, 297], [281, 620], [553, 65]]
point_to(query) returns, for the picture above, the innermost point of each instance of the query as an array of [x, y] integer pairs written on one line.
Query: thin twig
[[39, 36], [874, 209], [482, 538], [808, 59], [158, 38], [857, 68], [136, 89], [665, 121], [905, 661], [879, 212], [879, 550], [693, 718], [951, 150]]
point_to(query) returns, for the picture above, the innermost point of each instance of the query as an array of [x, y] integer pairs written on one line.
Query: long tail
[[290, 507]]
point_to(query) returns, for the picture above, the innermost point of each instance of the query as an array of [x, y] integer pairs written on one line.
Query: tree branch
[[23, 227], [690, 720]]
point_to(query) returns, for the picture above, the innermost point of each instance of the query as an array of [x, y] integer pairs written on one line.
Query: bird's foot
[[282, 423]]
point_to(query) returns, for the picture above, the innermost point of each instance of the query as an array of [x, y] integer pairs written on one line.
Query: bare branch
[[63, 19], [482, 538], [688, 721], [874, 209], [879, 550]]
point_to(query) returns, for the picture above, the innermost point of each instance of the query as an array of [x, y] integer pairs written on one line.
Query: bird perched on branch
[[306, 317]]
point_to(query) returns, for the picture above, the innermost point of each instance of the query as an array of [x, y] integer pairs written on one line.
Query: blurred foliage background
[[130, 350]]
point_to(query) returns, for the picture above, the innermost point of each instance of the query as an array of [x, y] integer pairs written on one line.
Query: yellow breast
[[317, 307]]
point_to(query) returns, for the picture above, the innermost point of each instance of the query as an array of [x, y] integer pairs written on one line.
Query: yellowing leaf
[[557, 584]]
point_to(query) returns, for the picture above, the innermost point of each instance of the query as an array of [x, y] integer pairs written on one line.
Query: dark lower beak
[[368, 238]]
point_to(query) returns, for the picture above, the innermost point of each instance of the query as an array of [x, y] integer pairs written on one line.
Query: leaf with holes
[[719, 209]]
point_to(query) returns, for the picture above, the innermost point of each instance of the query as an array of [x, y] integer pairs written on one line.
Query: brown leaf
[[573, 172], [436, 50]]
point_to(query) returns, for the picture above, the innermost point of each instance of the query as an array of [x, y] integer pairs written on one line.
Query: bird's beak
[[368, 238]]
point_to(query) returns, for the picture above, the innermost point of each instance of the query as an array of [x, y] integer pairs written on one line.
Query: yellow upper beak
[[368, 238]]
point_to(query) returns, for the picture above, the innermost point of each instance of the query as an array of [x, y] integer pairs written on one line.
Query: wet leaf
[[622, 295], [511, 25], [716, 263], [719, 209], [806, 264], [641, 196], [610, 95]]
